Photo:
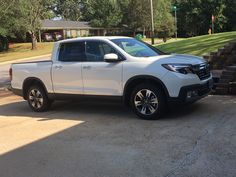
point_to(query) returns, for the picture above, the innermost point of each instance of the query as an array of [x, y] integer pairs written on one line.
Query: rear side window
[[72, 52]]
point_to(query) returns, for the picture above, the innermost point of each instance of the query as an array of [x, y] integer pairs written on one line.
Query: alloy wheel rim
[[36, 98], [146, 102]]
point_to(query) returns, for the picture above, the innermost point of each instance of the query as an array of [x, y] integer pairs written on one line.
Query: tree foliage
[[10, 22], [102, 13], [25, 17], [229, 12], [33, 11], [68, 9], [194, 16], [133, 14], [9, 18], [164, 21], [139, 16]]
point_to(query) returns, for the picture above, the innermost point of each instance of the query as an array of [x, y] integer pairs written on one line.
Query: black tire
[[155, 103], [37, 99]]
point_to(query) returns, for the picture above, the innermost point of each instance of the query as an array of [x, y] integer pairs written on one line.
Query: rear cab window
[[72, 52]]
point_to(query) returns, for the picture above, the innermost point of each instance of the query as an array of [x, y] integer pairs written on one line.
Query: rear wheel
[[37, 99], [148, 101]]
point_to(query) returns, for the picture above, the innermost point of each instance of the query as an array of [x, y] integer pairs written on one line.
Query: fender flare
[[33, 79], [148, 77]]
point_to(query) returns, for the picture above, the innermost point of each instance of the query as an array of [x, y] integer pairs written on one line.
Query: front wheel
[[37, 99], [148, 101]]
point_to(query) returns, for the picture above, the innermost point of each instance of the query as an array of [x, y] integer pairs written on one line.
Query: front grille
[[202, 71]]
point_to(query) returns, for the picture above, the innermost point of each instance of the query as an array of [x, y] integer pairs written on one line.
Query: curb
[[23, 59]]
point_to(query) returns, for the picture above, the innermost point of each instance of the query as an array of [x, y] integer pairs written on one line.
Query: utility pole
[[152, 23], [176, 26], [212, 24]]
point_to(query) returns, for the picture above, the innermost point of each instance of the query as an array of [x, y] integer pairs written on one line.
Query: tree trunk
[[134, 32], [33, 41]]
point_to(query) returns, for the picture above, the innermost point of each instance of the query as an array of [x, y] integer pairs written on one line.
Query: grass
[[158, 40], [23, 50], [200, 45]]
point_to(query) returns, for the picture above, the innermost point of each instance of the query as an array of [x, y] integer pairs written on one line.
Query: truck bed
[[38, 69]]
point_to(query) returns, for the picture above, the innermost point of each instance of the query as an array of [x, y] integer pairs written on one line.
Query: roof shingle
[[62, 24]]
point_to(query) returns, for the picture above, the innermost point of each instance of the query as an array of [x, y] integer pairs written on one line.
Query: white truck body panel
[[41, 70], [67, 77]]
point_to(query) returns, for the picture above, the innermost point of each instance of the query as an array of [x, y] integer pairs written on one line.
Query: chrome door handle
[[87, 67], [58, 67]]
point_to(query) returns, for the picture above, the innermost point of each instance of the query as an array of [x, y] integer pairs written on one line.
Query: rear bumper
[[192, 93]]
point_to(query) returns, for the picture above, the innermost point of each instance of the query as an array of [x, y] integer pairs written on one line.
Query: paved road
[[4, 75], [4, 71], [107, 140]]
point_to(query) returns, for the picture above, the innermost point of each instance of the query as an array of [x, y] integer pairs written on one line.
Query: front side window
[[72, 52], [96, 50], [136, 48]]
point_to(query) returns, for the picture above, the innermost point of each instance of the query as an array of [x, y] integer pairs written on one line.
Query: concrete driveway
[[107, 140]]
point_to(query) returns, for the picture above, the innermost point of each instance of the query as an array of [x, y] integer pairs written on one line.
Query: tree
[[6, 10], [68, 9], [32, 12], [229, 12], [102, 13], [9, 22], [164, 21], [139, 16], [194, 16]]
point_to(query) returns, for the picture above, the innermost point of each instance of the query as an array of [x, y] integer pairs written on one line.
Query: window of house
[[68, 33]]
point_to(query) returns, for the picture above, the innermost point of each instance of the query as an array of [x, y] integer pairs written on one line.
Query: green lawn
[[23, 50], [159, 40], [200, 45]]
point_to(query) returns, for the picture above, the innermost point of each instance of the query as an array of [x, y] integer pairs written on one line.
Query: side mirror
[[111, 57]]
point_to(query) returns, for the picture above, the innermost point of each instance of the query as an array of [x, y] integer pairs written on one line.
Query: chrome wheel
[[36, 98], [146, 102]]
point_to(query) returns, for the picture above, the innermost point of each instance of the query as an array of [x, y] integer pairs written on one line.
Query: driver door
[[100, 77]]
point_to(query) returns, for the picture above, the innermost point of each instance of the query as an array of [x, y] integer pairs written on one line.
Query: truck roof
[[92, 37]]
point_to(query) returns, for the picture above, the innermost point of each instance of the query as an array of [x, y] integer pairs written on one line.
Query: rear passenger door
[[100, 77], [66, 71]]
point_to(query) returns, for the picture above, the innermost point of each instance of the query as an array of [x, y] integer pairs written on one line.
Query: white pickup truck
[[113, 67]]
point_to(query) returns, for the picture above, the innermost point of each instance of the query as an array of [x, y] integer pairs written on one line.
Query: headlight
[[179, 68]]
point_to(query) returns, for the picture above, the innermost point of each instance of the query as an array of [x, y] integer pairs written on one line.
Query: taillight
[[10, 73]]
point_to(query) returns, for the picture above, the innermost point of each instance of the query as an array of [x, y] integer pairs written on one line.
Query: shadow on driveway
[[111, 141]]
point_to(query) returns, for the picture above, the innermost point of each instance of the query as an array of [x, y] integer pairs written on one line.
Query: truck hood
[[176, 58]]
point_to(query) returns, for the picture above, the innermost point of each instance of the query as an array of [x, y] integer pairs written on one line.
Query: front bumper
[[192, 93]]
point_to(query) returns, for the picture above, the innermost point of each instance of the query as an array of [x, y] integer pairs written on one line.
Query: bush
[[4, 45]]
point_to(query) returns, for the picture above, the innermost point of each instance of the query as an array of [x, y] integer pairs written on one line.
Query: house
[[53, 30]]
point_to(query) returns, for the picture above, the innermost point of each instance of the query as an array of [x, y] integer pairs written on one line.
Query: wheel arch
[[30, 81], [136, 80]]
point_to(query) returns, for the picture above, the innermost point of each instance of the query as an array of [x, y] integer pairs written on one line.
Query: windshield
[[137, 48]]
